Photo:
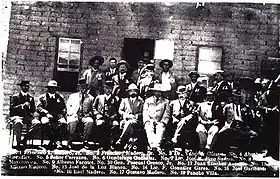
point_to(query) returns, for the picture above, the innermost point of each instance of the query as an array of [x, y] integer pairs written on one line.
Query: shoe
[[86, 145]]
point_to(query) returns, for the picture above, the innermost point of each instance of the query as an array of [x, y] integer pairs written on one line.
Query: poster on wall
[[113, 123]]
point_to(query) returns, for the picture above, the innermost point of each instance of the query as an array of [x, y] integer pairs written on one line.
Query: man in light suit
[[22, 107], [130, 109], [156, 114], [105, 109], [167, 79], [80, 109], [95, 78], [52, 110]]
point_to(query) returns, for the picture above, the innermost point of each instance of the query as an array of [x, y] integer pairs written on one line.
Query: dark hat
[[121, 63], [82, 81], [109, 83], [24, 83], [246, 83], [99, 58], [194, 73], [166, 60], [150, 66]]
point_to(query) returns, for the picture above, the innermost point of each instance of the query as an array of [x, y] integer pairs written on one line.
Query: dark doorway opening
[[135, 49]]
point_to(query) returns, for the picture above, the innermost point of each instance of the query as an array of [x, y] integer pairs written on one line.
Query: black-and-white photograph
[[140, 88]]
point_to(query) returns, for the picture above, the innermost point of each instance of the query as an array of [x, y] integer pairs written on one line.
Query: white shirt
[[122, 76], [112, 70], [23, 93], [165, 81], [107, 96], [51, 95]]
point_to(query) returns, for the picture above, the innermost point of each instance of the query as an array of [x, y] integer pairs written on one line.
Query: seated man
[[105, 109], [208, 126], [22, 107], [52, 109], [79, 109], [131, 109], [156, 114], [184, 111]]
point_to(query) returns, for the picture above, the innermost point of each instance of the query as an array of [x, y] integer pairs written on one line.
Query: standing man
[[22, 107], [136, 73], [197, 92], [156, 114], [94, 76], [52, 110], [112, 70], [222, 90], [121, 79], [105, 109], [167, 79], [131, 109], [79, 109]]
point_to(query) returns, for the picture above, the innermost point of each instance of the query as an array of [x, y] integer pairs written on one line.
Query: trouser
[[129, 129], [72, 126], [107, 131], [17, 128], [207, 135], [155, 131], [56, 129]]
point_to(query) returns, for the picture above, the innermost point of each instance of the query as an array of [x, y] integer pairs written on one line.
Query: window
[[209, 60], [68, 63]]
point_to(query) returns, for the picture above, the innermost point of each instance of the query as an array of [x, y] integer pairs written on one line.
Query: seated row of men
[[114, 121]]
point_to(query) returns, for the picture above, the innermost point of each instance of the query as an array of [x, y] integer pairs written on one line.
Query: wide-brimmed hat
[[181, 89], [246, 83], [132, 87], [109, 83], [24, 83], [99, 58], [194, 73], [166, 60], [52, 84], [157, 87], [123, 62]]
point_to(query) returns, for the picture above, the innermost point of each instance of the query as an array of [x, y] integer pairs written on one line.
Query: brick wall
[[248, 33]]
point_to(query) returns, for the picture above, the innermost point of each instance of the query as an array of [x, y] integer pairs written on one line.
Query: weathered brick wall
[[248, 34]]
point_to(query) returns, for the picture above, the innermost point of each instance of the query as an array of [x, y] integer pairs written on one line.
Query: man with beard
[[79, 109], [52, 110], [22, 107], [95, 78], [131, 109], [105, 109], [156, 114], [184, 112], [121, 80]]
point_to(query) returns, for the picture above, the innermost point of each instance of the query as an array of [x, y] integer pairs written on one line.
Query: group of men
[[117, 109]]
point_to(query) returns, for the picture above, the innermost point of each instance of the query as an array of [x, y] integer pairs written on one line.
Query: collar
[[132, 99], [51, 95], [23, 93], [93, 69], [122, 75], [107, 96]]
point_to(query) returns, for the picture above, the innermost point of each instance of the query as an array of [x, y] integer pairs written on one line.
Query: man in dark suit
[[131, 109], [22, 107], [137, 72], [52, 109], [121, 80], [197, 92], [105, 110], [112, 70]]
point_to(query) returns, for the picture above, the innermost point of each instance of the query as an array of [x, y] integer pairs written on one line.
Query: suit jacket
[[197, 92], [121, 85], [74, 107], [108, 74], [179, 110], [16, 108], [95, 80], [106, 108], [45, 106], [135, 75], [128, 107], [156, 111]]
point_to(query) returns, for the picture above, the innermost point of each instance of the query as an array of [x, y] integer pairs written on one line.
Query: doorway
[[135, 49]]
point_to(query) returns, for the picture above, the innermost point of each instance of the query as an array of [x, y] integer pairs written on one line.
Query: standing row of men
[[116, 109]]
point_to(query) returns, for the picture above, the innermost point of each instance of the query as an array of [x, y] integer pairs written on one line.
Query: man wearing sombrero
[[167, 79], [197, 92], [52, 110], [156, 114], [131, 110], [121, 79], [22, 107], [95, 78]]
